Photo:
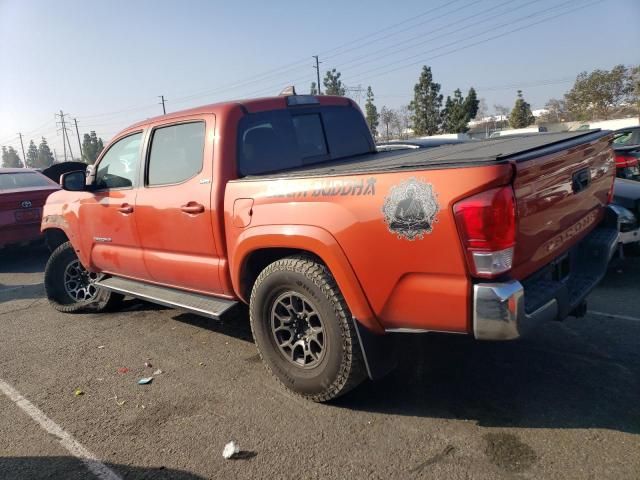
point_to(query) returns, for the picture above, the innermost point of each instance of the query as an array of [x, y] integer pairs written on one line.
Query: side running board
[[204, 305]]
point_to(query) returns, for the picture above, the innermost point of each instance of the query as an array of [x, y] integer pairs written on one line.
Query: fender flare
[[315, 240]]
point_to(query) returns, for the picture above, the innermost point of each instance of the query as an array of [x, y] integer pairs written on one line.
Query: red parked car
[[22, 194]]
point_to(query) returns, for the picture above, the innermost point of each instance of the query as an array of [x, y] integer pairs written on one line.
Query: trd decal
[[323, 188], [410, 209]]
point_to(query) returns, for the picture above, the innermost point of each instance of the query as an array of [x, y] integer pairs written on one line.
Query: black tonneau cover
[[472, 153]]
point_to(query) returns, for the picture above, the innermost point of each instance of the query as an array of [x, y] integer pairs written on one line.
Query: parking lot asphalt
[[561, 404]]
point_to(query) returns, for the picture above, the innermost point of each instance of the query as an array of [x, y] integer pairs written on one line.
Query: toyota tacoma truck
[[284, 204]]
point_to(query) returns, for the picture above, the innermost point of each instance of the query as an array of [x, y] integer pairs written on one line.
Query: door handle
[[192, 208], [125, 208]]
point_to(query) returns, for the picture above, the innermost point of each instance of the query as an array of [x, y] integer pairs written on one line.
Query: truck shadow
[[563, 377], [21, 292], [23, 468], [29, 259]]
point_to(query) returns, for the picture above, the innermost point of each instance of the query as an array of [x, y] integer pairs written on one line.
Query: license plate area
[[28, 215]]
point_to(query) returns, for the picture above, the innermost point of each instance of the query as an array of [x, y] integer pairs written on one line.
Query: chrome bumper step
[[212, 307]]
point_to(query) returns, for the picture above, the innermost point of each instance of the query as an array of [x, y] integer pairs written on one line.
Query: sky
[[105, 63]]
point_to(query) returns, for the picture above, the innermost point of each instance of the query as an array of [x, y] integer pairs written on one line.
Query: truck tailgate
[[560, 191]]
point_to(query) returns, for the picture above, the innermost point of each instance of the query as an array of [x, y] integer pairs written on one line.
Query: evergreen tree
[[45, 157], [91, 147], [458, 110], [471, 104], [371, 113], [426, 104], [333, 84], [314, 89], [10, 158], [521, 115], [32, 155], [5, 157]]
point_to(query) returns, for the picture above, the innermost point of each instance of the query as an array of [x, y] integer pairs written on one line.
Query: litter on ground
[[145, 381], [77, 392], [158, 372], [230, 449], [123, 370]]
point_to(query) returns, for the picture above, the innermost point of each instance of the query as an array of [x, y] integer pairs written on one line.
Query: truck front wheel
[[71, 288], [303, 330]]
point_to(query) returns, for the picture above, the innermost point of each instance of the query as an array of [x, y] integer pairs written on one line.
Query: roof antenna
[[290, 90]]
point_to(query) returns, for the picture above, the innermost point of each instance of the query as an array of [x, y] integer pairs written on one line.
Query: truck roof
[[475, 152], [250, 105]]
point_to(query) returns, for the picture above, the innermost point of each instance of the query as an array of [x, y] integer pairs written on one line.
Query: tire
[[326, 361], [62, 261]]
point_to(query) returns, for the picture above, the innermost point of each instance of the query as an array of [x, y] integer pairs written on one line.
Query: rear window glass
[[22, 180], [284, 139]]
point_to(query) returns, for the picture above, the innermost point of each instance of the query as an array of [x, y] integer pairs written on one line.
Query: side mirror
[[73, 181]]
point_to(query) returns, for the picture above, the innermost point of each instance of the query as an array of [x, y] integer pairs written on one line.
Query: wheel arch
[[54, 237], [257, 247]]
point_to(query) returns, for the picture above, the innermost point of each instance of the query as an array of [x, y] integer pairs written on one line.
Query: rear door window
[[278, 140], [176, 153]]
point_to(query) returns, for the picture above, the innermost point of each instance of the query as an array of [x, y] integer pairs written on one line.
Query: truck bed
[[473, 153]]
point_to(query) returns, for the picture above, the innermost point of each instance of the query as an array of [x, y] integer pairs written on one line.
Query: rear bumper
[[508, 310], [19, 234]]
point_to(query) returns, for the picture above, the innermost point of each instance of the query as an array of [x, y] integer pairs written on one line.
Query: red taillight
[[487, 223], [625, 161]]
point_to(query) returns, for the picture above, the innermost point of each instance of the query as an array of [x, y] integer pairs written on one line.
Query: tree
[[455, 115], [371, 113], [45, 157], [404, 121], [387, 118], [314, 89], [595, 95], [471, 104], [556, 111], [91, 147], [633, 87], [32, 155], [333, 84], [521, 115], [458, 111], [426, 104], [10, 158], [483, 110]]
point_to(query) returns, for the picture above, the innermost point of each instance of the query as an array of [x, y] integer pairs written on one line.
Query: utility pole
[[317, 67], [24, 157], [164, 110], [65, 135], [75, 121]]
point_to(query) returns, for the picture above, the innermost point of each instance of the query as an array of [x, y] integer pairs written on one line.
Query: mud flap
[[379, 351]]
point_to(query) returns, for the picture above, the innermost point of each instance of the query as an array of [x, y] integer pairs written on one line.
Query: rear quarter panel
[[415, 284]]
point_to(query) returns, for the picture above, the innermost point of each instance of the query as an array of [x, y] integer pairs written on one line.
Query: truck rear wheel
[[71, 288], [304, 331]]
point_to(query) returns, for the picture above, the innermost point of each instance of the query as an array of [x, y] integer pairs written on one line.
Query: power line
[[464, 47]]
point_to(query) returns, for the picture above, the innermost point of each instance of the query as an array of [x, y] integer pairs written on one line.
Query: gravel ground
[[561, 404]]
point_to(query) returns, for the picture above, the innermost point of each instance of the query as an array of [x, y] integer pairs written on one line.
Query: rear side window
[[176, 153], [279, 140], [9, 181]]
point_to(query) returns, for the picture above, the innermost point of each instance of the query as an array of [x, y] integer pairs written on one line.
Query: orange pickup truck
[[284, 204]]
